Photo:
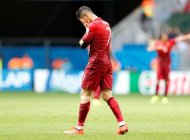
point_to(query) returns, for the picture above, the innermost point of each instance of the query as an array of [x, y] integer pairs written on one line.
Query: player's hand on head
[[84, 23]]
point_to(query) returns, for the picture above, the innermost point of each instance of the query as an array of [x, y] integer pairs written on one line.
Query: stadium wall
[[16, 80], [130, 56], [43, 56], [136, 57]]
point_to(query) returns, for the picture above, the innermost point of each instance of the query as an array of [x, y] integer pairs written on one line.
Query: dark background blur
[[56, 18]]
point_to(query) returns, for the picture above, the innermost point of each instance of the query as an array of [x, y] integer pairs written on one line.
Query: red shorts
[[163, 71], [94, 77]]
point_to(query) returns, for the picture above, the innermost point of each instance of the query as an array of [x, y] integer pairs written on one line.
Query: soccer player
[[98, 71], [163, 48]]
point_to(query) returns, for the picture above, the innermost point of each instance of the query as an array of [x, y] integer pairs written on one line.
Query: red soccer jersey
[[164, 49], [98, 36]]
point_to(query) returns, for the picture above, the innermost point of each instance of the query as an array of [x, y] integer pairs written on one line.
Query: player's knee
[[85, 95], [106, 94]]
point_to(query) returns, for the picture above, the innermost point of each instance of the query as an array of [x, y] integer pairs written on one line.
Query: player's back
[[100, 45]]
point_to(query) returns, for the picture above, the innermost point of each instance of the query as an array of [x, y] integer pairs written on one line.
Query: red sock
[[112, 102], [83, 111], [167, 88], [97, 93], [157, 88]]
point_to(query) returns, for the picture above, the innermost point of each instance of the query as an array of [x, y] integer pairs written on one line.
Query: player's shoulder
[[99, 21], [97, 24]]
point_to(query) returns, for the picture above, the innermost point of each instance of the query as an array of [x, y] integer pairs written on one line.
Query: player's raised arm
[[182, 38], [151, 45], [86, 39]]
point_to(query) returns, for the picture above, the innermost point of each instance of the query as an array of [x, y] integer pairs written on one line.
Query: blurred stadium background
[[39, 52], [39, 44]]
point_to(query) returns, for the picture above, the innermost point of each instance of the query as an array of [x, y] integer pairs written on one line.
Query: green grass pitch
[[30, 116]]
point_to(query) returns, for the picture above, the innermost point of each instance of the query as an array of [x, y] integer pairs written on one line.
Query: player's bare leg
[[83, 111], [96, 97], [155, 98], [112, 102]]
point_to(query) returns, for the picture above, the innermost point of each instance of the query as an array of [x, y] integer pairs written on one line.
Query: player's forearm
[[151, 48], [151, 45], [182, 38]]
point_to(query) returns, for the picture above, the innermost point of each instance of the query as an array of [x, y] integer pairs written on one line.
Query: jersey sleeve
[[89, 35], [172, 42]]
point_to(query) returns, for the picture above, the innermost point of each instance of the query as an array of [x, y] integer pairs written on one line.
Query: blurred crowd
[[17, 63], [61, 64], [26, 63]]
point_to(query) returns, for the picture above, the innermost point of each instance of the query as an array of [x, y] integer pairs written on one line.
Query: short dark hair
[[81, 10]]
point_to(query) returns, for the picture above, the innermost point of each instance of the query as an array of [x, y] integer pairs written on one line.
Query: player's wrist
[[81, 42]]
